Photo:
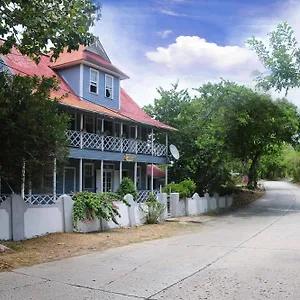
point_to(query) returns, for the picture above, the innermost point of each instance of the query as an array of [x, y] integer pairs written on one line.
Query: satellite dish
[[174, 151]]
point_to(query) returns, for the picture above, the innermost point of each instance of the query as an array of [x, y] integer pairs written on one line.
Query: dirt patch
[[58, 246], [243, 197]]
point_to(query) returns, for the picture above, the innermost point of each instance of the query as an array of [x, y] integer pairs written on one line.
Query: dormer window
[[109, 86], [94, 79]]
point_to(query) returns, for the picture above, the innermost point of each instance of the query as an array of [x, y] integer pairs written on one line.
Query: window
[[94, 74], [117, 129], [88, 176], [99, 125], [89, 123], [132, 132], [109, 86], [47, 179]]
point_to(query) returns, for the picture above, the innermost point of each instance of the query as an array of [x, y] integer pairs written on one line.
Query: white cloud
[[165, 33], [170, 12], [191, 53]]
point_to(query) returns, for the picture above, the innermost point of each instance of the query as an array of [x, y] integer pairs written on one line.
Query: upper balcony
[[102, 142]]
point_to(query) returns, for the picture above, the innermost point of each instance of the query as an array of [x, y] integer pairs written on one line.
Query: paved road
[[252, 254]]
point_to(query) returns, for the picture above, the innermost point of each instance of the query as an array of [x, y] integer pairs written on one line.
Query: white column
[[136, 136], [101, 176], [54, 179], [102, 125], [152, 177], [166, 175], [23, 179], [81, 129], [152, 141], [121, 135], [121, 170], [80, 175], [135, 174], [167, 151]]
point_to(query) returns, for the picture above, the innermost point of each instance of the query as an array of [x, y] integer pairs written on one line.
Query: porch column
[[167, 151], [54, 179], [135, 174], [80, 175], [121, 136], [121, 171], [152, 178], [23, 179], [101, 176], [81, 129], [152, 141], [136, 136], [166, 175]]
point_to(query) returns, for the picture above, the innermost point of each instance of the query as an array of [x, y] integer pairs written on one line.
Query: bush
[[90, 206], [127, 187], [153, 211], [185, 188]]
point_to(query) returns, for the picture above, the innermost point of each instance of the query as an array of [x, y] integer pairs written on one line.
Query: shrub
[[90, 206], [127, 187], [185, 188], [153, 211]]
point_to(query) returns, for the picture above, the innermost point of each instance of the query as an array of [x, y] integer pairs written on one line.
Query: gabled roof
[[92, 55], [129, 111]]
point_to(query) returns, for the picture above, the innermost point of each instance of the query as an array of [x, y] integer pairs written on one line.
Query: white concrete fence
[[20, 220]]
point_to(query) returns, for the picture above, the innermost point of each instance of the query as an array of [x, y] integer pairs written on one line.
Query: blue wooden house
[[110, 136]]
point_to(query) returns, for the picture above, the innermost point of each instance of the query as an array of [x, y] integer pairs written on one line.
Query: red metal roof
[[157, 172], [130, 111]]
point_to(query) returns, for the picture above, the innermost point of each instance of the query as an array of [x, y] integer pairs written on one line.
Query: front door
[[107, 180], [69, 185]]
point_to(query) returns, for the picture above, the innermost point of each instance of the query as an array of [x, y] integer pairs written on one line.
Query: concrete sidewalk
[[251, 254]]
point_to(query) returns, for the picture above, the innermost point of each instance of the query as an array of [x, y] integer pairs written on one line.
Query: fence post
[[131, 210], [18, 208], [67, 212], [174, 204], [162, 199]]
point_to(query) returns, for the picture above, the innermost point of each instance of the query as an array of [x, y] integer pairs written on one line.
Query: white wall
[[4, 225], [42, 219]]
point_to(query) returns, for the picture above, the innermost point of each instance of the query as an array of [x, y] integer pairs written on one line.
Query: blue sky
[[157, 42]]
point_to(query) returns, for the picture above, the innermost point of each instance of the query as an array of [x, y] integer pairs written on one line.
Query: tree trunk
[[252, 181]]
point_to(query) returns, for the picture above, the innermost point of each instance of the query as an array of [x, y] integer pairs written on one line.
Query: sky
[[159, 42]]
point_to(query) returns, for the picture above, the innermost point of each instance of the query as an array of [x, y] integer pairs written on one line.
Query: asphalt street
[[251, 254]]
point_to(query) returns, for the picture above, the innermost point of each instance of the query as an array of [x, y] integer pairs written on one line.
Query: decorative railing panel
[[143, 195], [3, 198], [74, 138], [109, 143], [38, 199], [144, 147], [91, 141]]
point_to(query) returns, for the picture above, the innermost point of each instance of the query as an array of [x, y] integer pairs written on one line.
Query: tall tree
[[33, 25], [281, 58], [32, 126]]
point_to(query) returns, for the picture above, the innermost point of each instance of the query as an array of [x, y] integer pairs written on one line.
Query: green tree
[[32, 126], [281, 58], [32, 25]]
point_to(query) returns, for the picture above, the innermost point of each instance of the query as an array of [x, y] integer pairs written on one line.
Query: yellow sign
[[129, 157]]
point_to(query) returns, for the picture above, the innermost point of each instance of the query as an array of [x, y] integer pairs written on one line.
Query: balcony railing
[[95, 141]]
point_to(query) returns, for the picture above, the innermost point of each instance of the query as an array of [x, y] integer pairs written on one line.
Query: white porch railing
[[109, 143], [143, 195], [38, 199]]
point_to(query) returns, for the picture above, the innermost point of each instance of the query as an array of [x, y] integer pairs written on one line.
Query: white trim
[[80, 174], [95, 83], [64, 178], [81, 82], [152, 178], [112, 86], [93, 175]]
